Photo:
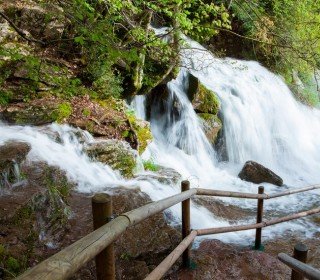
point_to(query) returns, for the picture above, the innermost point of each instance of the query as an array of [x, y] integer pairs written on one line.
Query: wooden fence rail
[[66, 262], [306, 270]]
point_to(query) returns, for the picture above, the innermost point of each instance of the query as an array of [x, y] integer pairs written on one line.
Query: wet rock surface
[[13, 152], [215, 260], [224, 210], [117, 154], [211, 126], [163, 175], [257, 173]]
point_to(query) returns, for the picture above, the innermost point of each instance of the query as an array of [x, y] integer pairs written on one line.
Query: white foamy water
[[261, 121]]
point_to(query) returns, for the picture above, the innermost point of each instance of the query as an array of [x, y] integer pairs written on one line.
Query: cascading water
[[261, 121]]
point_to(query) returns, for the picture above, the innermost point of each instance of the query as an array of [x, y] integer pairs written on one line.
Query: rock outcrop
[[211, 125], [13, 152], [257, 173], [117, 154], [203, 100]]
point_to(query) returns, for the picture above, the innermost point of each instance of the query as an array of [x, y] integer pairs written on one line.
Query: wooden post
[[185, 186], [102, 214], [300, 253], [257, 245]]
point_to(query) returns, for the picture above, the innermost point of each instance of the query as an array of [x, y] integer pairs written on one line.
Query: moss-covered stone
[[211, 125], [35, 112], [203, 100], [117, 154], [142, 130]]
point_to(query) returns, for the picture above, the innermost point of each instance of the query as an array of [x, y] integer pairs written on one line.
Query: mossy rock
[[37, 112], [117, 154], [211, 125], [203, 100]]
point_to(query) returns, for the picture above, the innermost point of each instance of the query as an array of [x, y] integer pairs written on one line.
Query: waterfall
[[261, 120]]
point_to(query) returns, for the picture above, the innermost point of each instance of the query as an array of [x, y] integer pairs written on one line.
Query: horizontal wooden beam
[[219, 193], [259, 225], [168, 262], [66, 262], [306, 270], [230, 194], [300, 190]]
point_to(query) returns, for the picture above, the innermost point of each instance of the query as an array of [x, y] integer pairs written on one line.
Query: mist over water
[[261, 122]]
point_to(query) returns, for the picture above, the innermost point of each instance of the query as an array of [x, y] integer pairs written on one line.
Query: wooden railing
[[300, 270], [69, 260]]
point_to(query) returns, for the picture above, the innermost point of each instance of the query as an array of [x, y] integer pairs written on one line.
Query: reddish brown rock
[[257, 173], [215, 260]]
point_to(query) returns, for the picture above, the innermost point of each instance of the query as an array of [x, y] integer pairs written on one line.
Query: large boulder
[[203, 100], [163, 175], [36, 112], [13, 152], [257, 173], [117, 154], [44, 21], [211, 126]]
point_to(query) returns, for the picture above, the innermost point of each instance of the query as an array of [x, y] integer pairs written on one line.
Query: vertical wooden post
[[185, 186], [300, 253], [102, 214], [257, 245]]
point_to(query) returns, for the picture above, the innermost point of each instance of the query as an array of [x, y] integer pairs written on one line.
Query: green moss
[[13, 265], [63, 111], [2, 251], [86, 112], [144, 137], [5, 96], [209, 101], [23, 214], [142, 130], [150, 165]]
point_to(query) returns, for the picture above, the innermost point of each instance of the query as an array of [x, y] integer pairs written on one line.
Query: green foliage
[[63, 111], [150, 165], [5, 96], [13, 265], [285, 35]]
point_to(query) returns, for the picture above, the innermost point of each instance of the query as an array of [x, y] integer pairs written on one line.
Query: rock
[[257, 173], [158, 101], [143, 132], [163, 175], [13, 152], [117, 154], [224, 209], [6, 32], [11, 155], [203, 100], [216, 260], [105, 119], [150, 240], [52, 214], [44, 22], [34, 112], [211, 125]]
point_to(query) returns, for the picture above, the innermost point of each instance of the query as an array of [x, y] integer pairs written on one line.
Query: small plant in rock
[[150, 165]]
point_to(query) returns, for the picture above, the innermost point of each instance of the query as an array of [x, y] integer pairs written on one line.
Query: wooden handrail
[[66, 262], [165, 265], [219, 193], [208, 231], [306, 270]]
